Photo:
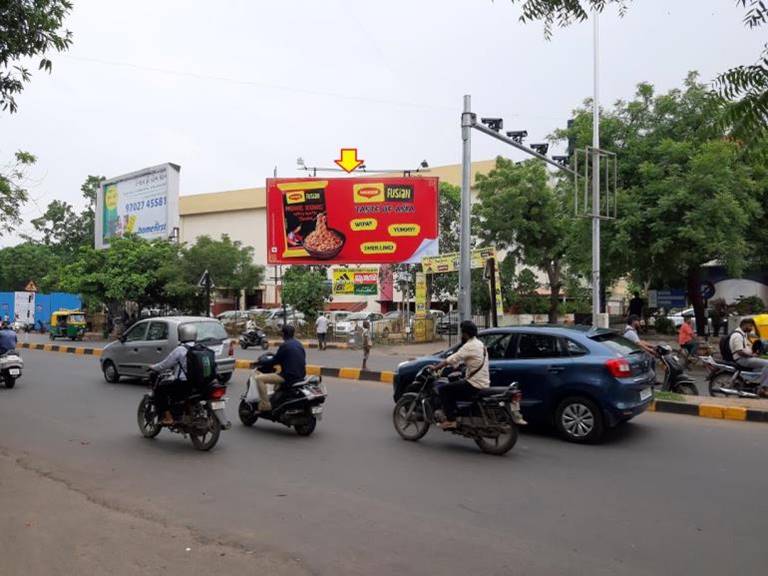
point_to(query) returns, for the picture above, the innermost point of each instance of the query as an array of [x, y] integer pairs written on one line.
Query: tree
[[24, 262], [519, 211], [229, 263], [688, 195], [13, 195], [28, 29], [744, 87], [306, 288], [62, 228]]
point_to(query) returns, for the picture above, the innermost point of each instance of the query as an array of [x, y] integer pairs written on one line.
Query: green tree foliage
[[28, 29], [744, 87], [519, 211], [688, 195], [24, 262], [306, 289], [13, 195]]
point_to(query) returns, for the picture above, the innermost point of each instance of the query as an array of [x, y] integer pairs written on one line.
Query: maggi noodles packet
[[302, 203]]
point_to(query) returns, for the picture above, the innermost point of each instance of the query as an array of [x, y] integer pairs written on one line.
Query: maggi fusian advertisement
[[351, 220]]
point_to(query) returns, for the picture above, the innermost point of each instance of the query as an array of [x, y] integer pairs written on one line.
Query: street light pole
[[465, 242], [596, 179]]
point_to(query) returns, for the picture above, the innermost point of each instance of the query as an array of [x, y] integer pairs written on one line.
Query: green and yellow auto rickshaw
[[67, 324]]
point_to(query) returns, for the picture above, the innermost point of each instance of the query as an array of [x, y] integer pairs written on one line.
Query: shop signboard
[[144, 203], [421, 295], [355, 281], [351, 220], [450, 262]]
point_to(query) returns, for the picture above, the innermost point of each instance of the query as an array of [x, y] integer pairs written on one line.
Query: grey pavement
[[665, 494]]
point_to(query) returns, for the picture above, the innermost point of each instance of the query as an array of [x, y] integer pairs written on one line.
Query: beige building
[[242, 215]]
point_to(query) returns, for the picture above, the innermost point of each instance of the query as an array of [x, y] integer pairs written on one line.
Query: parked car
[[380, 326], [334, 317], [234, 321], [677, 318], [149, 341], [579, 380], [274, 318]]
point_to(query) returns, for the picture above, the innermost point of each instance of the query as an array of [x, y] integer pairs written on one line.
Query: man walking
[[321, 328], [367, 343]]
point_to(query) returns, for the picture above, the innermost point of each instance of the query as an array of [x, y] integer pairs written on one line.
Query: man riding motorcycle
[[292, 359], [474, 356], [176, 361], [7, 338]]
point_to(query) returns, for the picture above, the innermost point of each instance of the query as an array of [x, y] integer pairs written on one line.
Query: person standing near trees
[[321, 328], [367, 343]]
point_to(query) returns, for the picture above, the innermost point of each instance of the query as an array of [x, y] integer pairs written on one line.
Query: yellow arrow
[[348, 161]]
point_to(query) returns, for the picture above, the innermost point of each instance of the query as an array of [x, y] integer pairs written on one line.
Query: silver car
[[149, 341]]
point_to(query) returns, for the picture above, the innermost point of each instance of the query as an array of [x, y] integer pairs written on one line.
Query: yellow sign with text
[[364, 224], [378, 247], [421, 295], [404, 229], [450, 262], [368, 193]]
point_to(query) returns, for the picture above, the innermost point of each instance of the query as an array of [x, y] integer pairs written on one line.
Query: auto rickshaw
[[67, 324]]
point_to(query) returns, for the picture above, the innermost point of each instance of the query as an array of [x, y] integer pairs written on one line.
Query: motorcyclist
[[473, 355], [177, 362], [292, 359], [7, 338], [250, 326]]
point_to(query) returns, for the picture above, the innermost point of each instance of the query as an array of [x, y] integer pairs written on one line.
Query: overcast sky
[[232, 89]]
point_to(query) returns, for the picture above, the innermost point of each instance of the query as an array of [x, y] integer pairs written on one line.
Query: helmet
[[187, 333]]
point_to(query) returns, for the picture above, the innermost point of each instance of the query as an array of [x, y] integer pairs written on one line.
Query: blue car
[[578, 379]]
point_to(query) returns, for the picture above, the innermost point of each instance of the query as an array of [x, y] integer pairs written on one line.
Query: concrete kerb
[[704, 409]]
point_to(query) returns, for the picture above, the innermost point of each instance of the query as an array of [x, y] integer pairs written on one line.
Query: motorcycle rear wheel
[[246, 413], [306, 427], [687, 389], [720, 381], [148, 418], [409, 419], [499, 445], [210, 436], [10, 381]]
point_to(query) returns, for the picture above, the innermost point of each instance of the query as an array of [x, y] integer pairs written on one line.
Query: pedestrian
[[321, 327], [630, 333], [367, 343], [686, 337], [636, 306], [719, 316]]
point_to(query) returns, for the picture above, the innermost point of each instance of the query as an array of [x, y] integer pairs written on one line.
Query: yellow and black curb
[[704, 410], [342, 373], [314, 344], [718, 411]]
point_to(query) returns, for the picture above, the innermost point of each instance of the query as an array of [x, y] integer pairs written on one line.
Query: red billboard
[[351, 220]]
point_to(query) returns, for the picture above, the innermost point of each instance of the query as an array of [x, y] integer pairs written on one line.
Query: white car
[[677, 317]]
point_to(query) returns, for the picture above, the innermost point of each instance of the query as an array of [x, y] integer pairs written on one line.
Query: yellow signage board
[[421, 295], [359, 281], [450, 262]]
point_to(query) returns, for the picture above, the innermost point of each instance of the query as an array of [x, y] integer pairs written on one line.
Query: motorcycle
[[675, 377], [490, 419], [11, 365], [254, 338], [727, 379], [298, 406], [202, 412]]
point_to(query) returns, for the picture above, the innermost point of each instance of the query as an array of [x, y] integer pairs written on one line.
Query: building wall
[[246, 226]]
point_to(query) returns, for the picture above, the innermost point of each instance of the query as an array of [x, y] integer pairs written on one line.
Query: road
[[664, 495]]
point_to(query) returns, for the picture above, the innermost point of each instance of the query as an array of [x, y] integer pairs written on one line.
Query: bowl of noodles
[[324, 243]]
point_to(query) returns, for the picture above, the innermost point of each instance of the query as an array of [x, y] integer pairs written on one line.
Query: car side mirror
[[122, 339]]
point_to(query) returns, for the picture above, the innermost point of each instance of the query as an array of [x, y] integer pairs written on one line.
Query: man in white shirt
[[321, 328], [473, 355], [741, 349], [630, 333]]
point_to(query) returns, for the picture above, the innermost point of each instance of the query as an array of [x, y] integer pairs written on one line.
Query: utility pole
[[465, 242], [596, 178]]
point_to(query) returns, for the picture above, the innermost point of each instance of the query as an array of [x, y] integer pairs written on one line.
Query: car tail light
[[218, 393], [618, 367], [231, 347]]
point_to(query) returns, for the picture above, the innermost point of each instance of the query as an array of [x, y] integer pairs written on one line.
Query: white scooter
[[11, 365]]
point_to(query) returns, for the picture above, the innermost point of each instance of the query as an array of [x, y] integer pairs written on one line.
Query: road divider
[[701, 406]]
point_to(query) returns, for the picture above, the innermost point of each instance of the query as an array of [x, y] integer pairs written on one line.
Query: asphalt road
[[664, 495]]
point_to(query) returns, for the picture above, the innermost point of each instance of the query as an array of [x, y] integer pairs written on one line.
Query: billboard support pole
[[494, 311], [465, 270]]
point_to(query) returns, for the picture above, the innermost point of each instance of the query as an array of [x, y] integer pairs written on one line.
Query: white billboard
[[144, 203]]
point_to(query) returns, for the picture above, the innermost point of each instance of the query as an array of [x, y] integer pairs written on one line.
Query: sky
[[236, 89]]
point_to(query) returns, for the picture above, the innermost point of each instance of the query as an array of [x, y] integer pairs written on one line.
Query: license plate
[[218, 405], [645, 393], [14, 372], [317, 410]]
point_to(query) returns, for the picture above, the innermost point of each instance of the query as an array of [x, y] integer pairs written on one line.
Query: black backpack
[[725, 348], [201, 366]]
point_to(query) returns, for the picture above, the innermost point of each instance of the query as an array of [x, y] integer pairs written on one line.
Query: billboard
[[450, 262], [355, 281], [145, 203], [351, 220]]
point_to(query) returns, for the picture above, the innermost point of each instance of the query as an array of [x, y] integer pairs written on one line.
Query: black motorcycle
[[298, 406], [201, 415], [254, 339], [489, 419], [676, 379]]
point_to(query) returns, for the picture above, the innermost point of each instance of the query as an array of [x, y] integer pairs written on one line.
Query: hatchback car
[[577, 379], [149, 341]]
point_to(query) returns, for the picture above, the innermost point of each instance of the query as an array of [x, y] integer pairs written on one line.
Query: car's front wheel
[[110, 372], [578, 419]]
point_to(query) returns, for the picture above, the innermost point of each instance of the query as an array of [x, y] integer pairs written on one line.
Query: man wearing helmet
[[473, 355], [292, 359], [7, 338], [177, 362]]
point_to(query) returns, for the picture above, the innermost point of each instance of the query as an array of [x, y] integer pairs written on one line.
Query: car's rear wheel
[[578, 419], [110, 372]]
